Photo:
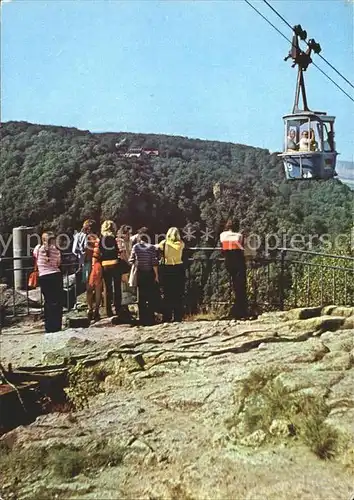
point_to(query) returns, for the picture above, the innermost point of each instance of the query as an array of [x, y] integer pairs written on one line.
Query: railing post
[[20, 240], [67, 291], [295, 284], [321, 284], [268, 284], [282, 278], [345, 288], [188, 300]]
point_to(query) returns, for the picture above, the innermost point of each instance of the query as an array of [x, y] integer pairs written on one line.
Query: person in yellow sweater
[[173, 277]]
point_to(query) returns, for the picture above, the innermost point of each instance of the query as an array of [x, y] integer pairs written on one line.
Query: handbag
[[33, 278], [125, 278], [133, 276]]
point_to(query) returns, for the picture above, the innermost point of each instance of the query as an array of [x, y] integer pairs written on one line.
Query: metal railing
[[315, 279], [288, 278]]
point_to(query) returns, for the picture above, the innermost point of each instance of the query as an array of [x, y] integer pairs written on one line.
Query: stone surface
[[348, 323], [170, 394], [338, 311], [303, 313]]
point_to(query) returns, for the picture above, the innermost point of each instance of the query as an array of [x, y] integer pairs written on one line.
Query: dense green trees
[[56, 177]]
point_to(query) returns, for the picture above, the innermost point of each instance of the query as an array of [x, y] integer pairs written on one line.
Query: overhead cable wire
[[323, 58], [290, 41], [331, 80], [267, 20]]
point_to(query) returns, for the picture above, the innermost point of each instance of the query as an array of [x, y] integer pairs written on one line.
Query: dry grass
[[208, 313], [206, 316], [68, 461], [22, 466], [85, 383], [179, 492], [262, 399]]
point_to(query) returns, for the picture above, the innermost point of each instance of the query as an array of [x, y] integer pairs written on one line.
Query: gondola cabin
[[309, 150]]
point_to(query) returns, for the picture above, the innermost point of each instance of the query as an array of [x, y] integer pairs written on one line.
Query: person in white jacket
[[304, 144]]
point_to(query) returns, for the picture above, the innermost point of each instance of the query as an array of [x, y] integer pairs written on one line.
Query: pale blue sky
[[206, 69]]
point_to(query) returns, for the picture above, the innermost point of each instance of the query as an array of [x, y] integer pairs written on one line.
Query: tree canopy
[[55, 177]]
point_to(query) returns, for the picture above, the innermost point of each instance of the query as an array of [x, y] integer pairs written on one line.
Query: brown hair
[[47, 238], [232, 225], [123, 230]]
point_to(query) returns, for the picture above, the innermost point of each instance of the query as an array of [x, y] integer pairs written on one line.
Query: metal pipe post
[[20, 252]]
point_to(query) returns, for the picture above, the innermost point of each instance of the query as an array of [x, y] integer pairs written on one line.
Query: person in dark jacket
[[232, 242]]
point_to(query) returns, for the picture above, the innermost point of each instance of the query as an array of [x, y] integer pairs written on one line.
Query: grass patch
[[44, 493], [68, 461], [320, 437], [209, 313], [84, 383], [264, 403], [179, 492], [203, 316], [23, 466]]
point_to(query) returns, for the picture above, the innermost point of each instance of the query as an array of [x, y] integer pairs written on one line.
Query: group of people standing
[[112, 259], [117, 257]]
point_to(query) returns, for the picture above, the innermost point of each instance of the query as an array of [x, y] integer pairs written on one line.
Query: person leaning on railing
[[93, 277], [83, 247], [232, 243], [106, 253], [172, 275], [48, 259], [144, 257], [124, 242]]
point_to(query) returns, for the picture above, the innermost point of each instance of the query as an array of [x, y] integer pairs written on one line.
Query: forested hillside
[[55, 177]]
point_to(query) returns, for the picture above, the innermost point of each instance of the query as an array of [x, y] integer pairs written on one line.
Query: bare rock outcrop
[[181, 401]]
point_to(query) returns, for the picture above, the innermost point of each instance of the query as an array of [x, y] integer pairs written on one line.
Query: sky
[[203, 69]]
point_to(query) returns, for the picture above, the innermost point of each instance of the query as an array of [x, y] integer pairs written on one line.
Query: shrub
[[263, 400]]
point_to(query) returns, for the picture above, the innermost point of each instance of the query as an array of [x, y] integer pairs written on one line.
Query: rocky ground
[[261, 409]]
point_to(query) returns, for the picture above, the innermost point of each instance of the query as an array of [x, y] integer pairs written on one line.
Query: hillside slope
[[345, 171], [56, 177]]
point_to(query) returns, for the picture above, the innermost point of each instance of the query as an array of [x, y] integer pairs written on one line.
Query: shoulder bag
[[33, 278]]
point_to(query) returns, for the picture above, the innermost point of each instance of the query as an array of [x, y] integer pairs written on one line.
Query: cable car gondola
[[309, 148]]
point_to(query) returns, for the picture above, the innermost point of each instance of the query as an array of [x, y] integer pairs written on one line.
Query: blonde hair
[[88, 225], [108, 228], [173, 234]]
